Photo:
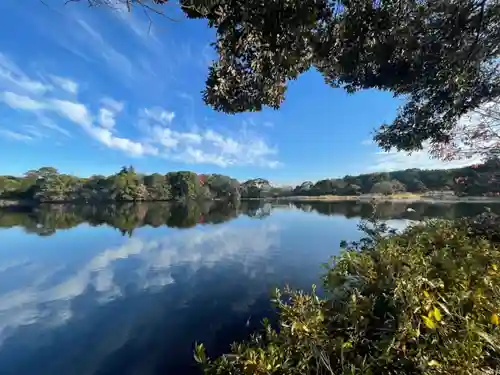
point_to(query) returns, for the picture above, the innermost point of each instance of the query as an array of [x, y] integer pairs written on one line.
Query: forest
[[48, 185], [474, 180]]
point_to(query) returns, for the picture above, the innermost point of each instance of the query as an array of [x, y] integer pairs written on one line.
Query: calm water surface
[[128, 289]]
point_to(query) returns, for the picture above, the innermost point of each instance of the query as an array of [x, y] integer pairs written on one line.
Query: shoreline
[[395, 198], [402, 198]]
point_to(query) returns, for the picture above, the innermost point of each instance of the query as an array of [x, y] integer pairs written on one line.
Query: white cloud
[[132, 148], [159, 115], [210, 147], [112, 104], [226, 145], [158, 136], [15, 135], [21, 102], [273, 164], [205, 146], [66, 84], [169, 138], [79, 114], [106, 118], [226, 151], [197, 156], [166, 137], [393, 161], [12, 78], [75, 112], [107, 114]]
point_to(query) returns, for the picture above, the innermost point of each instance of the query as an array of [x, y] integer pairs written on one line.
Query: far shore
[[400, 198], [403, 198]]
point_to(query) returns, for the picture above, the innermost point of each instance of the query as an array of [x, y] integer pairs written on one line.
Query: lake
[[127, 289]]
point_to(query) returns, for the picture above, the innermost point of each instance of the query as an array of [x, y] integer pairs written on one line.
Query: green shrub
[[426, 301]]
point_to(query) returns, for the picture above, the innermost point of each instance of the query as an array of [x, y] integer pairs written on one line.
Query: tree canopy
[[441, 56], [48, 185]]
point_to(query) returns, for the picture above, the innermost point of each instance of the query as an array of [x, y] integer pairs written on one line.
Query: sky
[[89, 90]]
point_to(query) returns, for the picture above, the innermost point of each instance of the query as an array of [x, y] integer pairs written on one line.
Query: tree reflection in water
[[45, 220]]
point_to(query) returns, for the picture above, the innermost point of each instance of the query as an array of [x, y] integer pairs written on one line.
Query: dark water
[[128, 289]]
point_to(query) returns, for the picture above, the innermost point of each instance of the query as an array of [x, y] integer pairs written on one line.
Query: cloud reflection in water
[[47, 300]]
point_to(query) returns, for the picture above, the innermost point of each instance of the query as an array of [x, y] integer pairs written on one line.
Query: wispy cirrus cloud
[[141, 25], [112, 104], [158, 115], [65, 84], [115, 59], [13, 78], [140, 71], [159, 134], [74, 29], [47, 123], [15, 135], [33, 131]]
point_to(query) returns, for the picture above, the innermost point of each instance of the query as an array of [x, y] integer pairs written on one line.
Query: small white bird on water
[[409, 209]]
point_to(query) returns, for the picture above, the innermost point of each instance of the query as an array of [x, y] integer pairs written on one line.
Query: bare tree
[[121, 4], [477, 135]]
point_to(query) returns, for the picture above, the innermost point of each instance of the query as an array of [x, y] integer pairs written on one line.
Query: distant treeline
[[48, 185], [475, 180]]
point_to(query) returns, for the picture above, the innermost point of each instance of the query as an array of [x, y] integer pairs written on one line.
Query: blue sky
[[89, 90]]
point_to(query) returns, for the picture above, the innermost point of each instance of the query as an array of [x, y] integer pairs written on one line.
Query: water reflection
[[80, 298], [398, 210], [45, 220], [60, 299]]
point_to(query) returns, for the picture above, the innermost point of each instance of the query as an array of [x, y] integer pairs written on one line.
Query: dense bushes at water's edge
[[426, 301], [47, 185]]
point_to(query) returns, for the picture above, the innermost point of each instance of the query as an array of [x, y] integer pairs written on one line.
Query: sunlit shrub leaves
[[421, 302]]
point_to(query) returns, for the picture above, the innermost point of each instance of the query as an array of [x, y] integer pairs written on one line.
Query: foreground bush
[[426, 301]]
